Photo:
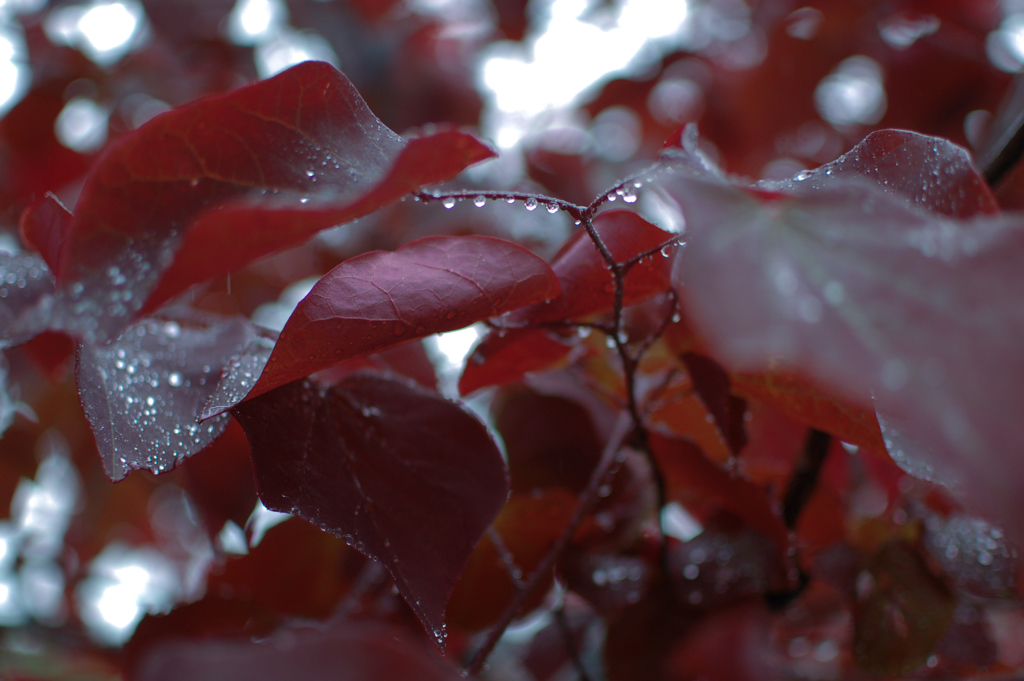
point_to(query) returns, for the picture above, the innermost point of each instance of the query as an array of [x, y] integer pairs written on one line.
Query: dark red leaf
[[711, 383], [504, 358], [381, 299], [403, 475], [864, 293], [212, 247], [930, 172], [356, 651], [549, 441], [698, 483], [143, 394], [211, 186], [44, 227]]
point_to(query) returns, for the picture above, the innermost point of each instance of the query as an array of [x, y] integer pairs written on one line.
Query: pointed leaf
[[381, 299], [228, 179], [712, 385], [403, 475], [505, 358], [44, 226], [863, 292], [143, 393], [930, 172]]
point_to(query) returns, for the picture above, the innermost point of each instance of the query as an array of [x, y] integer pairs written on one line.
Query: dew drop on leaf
[[448, 203], [531, 203], [552, 208], [479, 202]]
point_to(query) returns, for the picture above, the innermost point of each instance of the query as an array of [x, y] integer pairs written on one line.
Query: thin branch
[[805, 475], [570, 645], [1004, 153], [605, 468]]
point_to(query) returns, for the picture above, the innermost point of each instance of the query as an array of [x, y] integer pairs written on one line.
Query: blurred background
[[575, 95]]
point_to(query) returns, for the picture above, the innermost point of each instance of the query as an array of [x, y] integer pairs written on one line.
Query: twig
[[587, 498], [805, 475], [570, 645]]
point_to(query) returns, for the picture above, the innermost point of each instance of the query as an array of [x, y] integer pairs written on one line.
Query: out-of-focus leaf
[[974, 554], [818, 409], [204, 189], [587, 288], [381, 299], [712, 385], [549, 441], [902, 612], [44, 226], [526, 528], [357, 651], [505, 357], [697, 483], [607, 582], [26, 290], [929, 172], [403, 475], [144, 393], [863, 292]]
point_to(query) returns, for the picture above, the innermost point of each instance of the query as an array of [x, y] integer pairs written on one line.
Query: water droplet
[[310, 173], [448, 203], [552, 208], [511, 199], [530, 203], [479, 201], [174, 379], [802, 175], [611, 197], [664, 251], [629, 198]]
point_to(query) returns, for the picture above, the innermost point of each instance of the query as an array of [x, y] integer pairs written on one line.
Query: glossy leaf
[[403, 475], [44, 226], [864, 293], [504, 358], [239, 176], [355, 651], [382, 299], [143, 394], [929, 172]]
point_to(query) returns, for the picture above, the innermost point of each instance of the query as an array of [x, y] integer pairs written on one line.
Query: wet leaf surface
[[864, 293], [44, 226], [26, 289], [144, 393], [381, 299], [403, 475], [239, 176]]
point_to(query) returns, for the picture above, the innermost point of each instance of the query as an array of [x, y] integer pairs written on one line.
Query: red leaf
[[381, 299], [711, 384], [504, 358], [862, 292], [44, 227], [211, 186], [930, 172], [355, 651], [143, 394], [694, 481], [26, 288], [403, 475]]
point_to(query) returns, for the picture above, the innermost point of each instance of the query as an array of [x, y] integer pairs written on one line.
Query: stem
[[586, 500], [570, 644], [1000, 157], [805, 475]]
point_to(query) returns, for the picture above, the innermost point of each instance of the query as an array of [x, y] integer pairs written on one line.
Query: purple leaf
[[404, 476], [870, 294], [143, 393]]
